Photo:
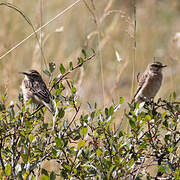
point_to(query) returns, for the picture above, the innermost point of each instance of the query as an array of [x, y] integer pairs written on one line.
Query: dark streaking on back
[[35, 88]]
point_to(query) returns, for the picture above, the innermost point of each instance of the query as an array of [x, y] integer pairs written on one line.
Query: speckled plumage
[[34, 87]]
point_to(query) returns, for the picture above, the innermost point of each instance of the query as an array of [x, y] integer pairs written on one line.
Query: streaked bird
[[150, 82], [35, 88]]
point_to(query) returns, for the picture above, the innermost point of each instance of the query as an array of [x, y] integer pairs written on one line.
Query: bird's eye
[[155, 65], [34, 75]]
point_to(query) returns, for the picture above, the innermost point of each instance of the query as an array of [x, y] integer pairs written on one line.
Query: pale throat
[[152, 72], [26, 77]]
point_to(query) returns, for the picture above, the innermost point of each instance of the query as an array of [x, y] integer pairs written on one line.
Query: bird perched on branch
[[150, 82], [35, 88]]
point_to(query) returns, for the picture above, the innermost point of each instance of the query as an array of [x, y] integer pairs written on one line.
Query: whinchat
[[150, 82], [35, 88]]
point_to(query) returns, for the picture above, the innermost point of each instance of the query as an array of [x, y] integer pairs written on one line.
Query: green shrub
[[87, 146]]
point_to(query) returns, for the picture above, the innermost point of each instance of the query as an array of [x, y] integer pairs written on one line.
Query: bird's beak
[[163, 66], [25, 73]]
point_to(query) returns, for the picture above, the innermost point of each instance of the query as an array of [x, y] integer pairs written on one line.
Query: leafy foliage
[[87, 146]]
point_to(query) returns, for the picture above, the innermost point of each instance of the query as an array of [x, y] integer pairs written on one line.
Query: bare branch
[[1, 160], [74, 117], [74, 68]]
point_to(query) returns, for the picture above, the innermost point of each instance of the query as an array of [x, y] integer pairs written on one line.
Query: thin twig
[[30, 23], [134, 49], [140, 167], [63, 76], [91, 12], [1, 160], [39, 108], [97, 23], [68, 72], [13, 155], [106, 9], [73, 118]]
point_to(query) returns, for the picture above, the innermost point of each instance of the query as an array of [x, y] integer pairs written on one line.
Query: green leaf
[[8, 169], [84, 131], [174, 95], [95, 105], [61, 113], [161, 169], [75, 171], [98, 152], [95, 134], [81, 144], [24, 157], [76, 137], [132, 124], [131, 162], [84, 53], [62, 69], [121, 100], [47, 72], [120, 134], [2, 107], [4, 97], [89, 107], [94, 52], [80, 60], [67, 167], [71, 66], [170, 149], [111, 111], [73, 90], [45, 178], [30, 138], [138, 118], [26, 174], [164, 114], [22, 133], [147, 117], [59, 143], [20, 97], [92, 115], [52, 66], [11, 111], [165, 123], [167, 168], [54, 151], [106, 112], [52, 175], [43, 171]]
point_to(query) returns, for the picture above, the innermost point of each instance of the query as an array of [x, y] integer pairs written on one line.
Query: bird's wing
[[142, 79], [41, 91], [141, 82], [27, 84]]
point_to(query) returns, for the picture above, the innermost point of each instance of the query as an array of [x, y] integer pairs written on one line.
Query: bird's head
[[32, 74], [156, 67]]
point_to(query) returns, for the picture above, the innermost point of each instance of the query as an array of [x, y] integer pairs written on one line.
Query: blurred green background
[[103, 79]]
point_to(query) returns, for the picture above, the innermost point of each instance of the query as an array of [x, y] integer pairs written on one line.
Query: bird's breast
[[152, 86]]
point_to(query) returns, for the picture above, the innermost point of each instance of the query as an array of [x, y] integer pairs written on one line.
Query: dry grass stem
[[40, 28]]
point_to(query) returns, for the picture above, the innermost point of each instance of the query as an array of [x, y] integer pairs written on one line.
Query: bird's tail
[[50, 107]]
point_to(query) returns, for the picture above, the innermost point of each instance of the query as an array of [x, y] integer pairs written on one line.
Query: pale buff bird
[[35, 88], [150, 82]]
